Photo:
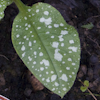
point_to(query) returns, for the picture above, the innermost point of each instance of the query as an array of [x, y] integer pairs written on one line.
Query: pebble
[[40, 95], [94, 59], [90, 74], [71, 97], [55, 97], [27, 92], [96, 72], [82, 71], [80, 74], [96, 82]]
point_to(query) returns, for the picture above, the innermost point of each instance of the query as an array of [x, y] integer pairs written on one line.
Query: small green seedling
[[47, 45], [85, 87], [88, 26]]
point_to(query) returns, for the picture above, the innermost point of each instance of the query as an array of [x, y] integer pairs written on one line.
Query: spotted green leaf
[[3, 5], [47, 45]]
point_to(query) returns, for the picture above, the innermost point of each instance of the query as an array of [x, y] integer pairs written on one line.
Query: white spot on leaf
[[47, 32], [61, 24], [56, 25], [37, 10], [53, 78], [63, 62], [55, 44], [46, 12], [26, 28], [68, 68], [30, 43], [32, 66], [42, 19], [60, 71], [53, 89], [48, 80], [64, 32], [19, 42], [52, 72], [23, 48], [16, 25], [17, 35], [73, 72], [56, 84], [24, 37], [74, 49], [43, 79], [49, 26], [71, 41], [62, 44], [35, 52], [30, 31], [26, 24], [69, 59], [70, 76], [30, 59], [34, 41], [57, 55], [41, 68], [61, 38], [29, 25], [47, 72], [45, 62], [40, 54], [23, 54], [25, 18], [64, 89], [40, 75], [52, 36], [73, 64], [46, 21], [38, 28], [64, 77], [34, 62]]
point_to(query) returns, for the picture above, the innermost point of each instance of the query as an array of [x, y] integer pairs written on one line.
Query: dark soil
[[14, 83]]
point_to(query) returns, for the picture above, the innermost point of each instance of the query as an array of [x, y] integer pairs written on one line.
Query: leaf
[[83, 88], [47, 45], [86, 83], [88, 26], [3, 5]]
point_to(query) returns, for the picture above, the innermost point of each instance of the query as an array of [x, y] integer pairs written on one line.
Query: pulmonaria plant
[[47, 45], [3, 5]]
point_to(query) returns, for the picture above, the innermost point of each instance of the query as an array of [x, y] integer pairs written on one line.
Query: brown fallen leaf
[[36, 84], [2, 80]]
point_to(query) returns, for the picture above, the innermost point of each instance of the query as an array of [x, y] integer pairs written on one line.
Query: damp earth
[[17, 83]]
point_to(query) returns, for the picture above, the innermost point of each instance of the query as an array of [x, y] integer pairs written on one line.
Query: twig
[[94, 41], [84, 45], [4, 56]]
